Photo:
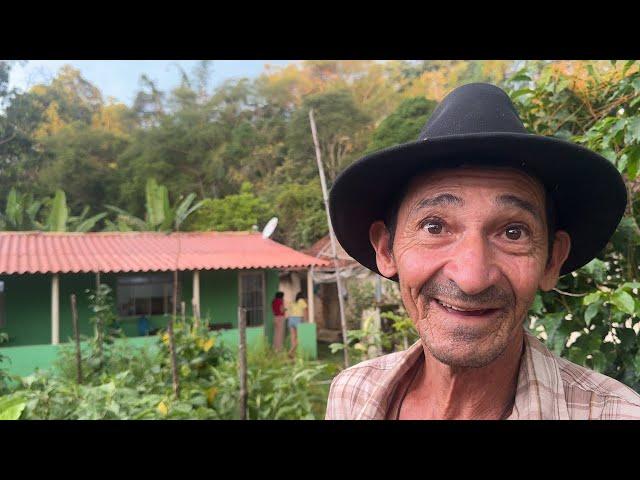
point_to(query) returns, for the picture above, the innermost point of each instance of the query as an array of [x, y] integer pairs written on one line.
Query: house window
[[3, 322], [252, 296], [145, 294]]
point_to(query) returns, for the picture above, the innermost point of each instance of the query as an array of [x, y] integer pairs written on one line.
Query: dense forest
[[243, 148]]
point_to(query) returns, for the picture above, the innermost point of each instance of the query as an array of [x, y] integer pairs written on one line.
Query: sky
[[120, 78]]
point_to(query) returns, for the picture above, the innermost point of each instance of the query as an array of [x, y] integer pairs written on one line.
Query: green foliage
[[373, 340], [302, 219], [4, 376], [361, 296], [11, 407], [403, 125], [21, 212], [231, 213], [58, 214], [160, 215], [86, 154], [135, 383], [122, 381], [338, 121], [592, 318]]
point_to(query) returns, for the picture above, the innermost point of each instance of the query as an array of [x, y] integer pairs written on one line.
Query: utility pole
[[325, 198]]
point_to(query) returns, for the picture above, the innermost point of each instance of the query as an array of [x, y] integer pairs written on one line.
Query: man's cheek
[[523, 274], [416, 267]]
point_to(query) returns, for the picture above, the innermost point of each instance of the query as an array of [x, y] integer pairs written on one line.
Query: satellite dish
[[270, 227]]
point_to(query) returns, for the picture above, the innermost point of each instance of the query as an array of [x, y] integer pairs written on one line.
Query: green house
[[218, 272]]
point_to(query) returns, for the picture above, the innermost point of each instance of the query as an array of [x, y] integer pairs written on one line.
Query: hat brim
[[589, 194]]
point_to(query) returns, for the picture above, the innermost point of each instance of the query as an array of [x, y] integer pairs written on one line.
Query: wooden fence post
[[172, 346], [242, 361], [76, 334]]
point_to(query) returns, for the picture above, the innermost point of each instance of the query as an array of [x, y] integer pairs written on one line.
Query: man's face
[[470, 251]]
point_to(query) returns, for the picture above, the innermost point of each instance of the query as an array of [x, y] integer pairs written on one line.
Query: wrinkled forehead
[[467, 181]]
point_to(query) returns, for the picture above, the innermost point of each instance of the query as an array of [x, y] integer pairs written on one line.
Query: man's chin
[[470, 352], [457, 359]]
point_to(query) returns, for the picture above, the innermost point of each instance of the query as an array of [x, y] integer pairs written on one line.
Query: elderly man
[[471, 220]]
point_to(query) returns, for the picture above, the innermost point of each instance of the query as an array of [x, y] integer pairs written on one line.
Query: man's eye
[[514, 232], [433, 227]]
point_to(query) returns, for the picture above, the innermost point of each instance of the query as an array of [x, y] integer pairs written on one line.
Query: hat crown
[[473, 108]]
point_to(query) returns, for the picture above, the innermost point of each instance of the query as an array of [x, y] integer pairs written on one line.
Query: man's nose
[[472, 265]]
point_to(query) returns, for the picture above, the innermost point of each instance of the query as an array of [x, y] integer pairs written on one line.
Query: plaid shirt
[[549, 388]]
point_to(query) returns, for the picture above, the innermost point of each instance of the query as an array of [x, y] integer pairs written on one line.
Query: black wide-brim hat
[[477, 125]]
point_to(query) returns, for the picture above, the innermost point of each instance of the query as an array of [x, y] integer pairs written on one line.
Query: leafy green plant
[[135, 382], [592, 317], [4, 376], [11, 407], [160, 215]]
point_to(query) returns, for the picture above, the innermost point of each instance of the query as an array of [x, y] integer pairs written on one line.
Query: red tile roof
[[42, 252]]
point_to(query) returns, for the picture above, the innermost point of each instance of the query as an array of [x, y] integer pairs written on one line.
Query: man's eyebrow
[[442, 199], [513, 201]]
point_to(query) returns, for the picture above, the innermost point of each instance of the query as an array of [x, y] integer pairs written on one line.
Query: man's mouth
[[468, 311]]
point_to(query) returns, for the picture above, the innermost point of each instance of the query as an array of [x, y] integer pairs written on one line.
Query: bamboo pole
[[242, 361], [325, 197], [74, 317]]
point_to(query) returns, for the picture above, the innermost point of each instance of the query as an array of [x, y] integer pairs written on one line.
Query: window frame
[[250, 272], [166, 305]]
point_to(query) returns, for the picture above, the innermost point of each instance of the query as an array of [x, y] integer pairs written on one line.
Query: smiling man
[[471, 220]]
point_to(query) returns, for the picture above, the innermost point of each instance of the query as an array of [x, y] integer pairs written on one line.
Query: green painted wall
[[27, 300], [25, 360], [307, 341], [28, 303], [77, 284], [218, 296]]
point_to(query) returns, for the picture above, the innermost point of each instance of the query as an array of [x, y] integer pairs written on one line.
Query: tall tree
[[339, 121], [403, 125]]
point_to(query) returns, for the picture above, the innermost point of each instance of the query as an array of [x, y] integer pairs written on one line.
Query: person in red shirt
[[277, 306]]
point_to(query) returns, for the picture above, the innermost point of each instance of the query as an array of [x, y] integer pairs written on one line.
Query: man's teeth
[[456, 308]]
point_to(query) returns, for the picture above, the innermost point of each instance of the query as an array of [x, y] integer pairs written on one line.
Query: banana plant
[[160, 215], [82, 224], [20, 212], [58, 214]]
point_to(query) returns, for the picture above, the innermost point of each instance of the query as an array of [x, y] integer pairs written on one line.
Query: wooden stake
[[325, 198], [172, 346], [196, 314], [76, 334], [183, 311], [99, 329], [242, 361]]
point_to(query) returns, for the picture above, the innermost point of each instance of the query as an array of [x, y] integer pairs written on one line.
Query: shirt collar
[[539, 392]]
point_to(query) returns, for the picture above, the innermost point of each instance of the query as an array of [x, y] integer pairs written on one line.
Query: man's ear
[[559, 253], [380, 239]]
